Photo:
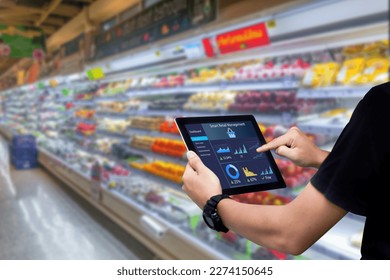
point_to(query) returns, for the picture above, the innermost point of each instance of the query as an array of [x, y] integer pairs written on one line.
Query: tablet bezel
[[182, 121]]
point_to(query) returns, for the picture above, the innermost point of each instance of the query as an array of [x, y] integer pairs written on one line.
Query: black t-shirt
[[355, 175]]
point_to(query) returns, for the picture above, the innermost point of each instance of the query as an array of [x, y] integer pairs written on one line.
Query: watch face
[[208, 221]]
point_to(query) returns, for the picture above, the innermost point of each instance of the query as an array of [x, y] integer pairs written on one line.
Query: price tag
[[271, 23], [95, 74]]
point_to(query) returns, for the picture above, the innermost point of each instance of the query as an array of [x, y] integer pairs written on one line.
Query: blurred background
[[91, 160]]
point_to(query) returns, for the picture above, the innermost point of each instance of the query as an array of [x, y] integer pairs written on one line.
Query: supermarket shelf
[[150, 154], [117, 98], [127, 213], [153, 133], [333, 92], [284, 118], [335, 244], [117, 135], [113, 115], [320, 127], [170, 237], [84, 102], [236, 86]]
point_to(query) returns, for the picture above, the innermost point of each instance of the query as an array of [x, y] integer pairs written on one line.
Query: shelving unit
[[188, 239]]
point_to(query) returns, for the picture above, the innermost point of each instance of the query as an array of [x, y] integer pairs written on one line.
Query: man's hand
[[297, 147], [199, 182]]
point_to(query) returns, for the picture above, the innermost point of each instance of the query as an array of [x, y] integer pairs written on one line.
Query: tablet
[[227, 145]]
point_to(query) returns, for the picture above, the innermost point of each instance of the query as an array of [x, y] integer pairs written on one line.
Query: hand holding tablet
[[227, 145]]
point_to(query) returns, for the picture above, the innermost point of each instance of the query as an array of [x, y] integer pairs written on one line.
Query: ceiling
[[49, 15]]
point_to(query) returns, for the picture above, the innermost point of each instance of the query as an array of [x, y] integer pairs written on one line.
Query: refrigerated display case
[[115, 143]]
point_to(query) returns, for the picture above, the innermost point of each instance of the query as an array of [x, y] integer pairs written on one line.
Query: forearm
[[290, 228], [261, 224]]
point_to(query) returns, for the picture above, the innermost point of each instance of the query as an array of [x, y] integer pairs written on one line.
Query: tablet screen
[[227, 145]]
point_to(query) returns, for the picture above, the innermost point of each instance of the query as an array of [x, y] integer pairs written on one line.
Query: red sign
[[243, 39], [208, 47]]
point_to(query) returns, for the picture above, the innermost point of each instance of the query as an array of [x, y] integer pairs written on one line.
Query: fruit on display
[[85, 113], [174, 148], [113, 88], [272, 69], [146, 123], [272, 131], [86, 128], [171, 171], [169, 126], [155, 198], [84, 96], [210, 101], [276, 102], [203, 76], [294, 176], [172, 80], [265, 198]]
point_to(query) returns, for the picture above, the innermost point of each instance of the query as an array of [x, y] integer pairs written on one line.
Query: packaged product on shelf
[[113, 88], [171, 171], [168, 103], [350, 70], [142, 142], [168, 203], [86, 128], [122, 151], [172, 80], [104, 144], [376, 64], [375, 72], [174, 148], [210, 101], [146, 123], [85, 113], [206, 75], [113, 125], [321, 75], [114, 106]]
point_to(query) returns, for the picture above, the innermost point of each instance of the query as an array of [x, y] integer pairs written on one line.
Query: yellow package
[[321, 75], [350, 70], [354, 50], [376, 71], [313, 76], [330, 73]]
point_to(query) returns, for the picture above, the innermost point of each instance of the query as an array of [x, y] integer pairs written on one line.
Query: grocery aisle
[[40, 218]]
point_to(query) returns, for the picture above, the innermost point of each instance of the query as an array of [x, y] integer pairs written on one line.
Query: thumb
[[194, 161]]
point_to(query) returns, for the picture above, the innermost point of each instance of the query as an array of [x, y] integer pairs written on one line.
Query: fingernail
[[190, 154]]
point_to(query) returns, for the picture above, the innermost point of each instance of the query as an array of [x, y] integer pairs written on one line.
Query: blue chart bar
[[199, 138]]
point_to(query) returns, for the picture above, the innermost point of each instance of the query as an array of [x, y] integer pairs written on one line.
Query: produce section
[[119, 131]]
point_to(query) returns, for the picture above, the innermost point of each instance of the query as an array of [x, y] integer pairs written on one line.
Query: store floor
[[41, 218]]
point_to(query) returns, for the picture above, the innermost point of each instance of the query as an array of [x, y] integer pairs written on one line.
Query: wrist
[[322, 154]]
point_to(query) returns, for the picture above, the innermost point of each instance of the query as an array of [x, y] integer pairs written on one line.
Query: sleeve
[[355, 164]]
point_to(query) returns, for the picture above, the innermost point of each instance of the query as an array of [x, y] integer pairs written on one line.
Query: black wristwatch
[[210, 213]]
